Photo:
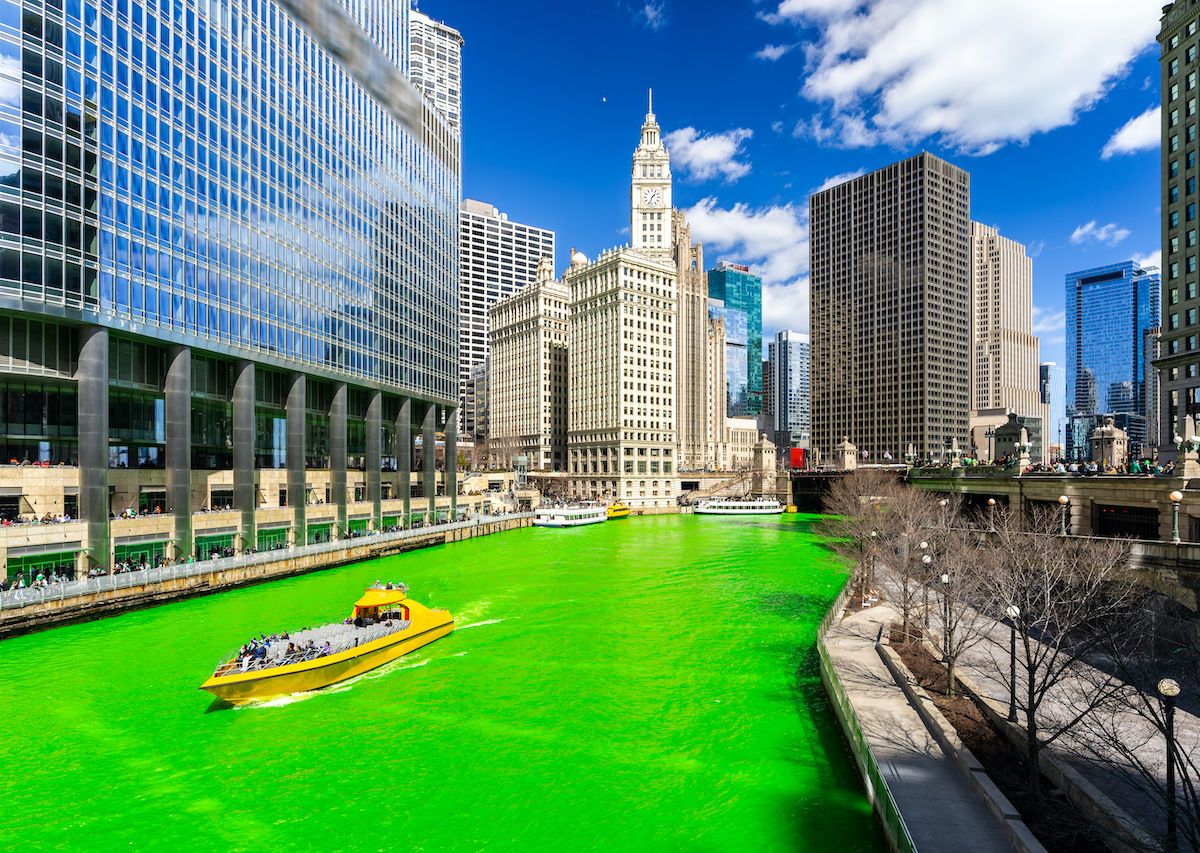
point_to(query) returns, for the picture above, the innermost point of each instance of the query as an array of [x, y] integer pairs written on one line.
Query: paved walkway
[[940, 809], [1116, 777]]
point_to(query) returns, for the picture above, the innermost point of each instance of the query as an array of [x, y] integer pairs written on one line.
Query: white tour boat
[[570, 516], [728, 506]]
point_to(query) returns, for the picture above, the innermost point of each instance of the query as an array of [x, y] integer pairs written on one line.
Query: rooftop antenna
[[650, 104]]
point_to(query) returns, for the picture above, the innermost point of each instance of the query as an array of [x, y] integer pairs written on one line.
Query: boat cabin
[[379, 604]]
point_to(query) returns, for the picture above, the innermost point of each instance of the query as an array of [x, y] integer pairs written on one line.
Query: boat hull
[[618, 513], [765, 511], [572, 523], [240, 687]]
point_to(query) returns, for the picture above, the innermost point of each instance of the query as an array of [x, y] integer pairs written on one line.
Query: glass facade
[[791, 405], [741, 291], [1109, 309], [737, 372], [211, 175]]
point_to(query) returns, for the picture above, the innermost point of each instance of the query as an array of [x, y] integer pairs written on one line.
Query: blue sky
[[762, 102]]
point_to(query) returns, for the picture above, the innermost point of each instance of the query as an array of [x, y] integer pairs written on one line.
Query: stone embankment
[[110, 595]]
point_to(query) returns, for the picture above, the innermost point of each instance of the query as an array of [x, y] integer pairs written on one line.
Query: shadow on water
[[219, 705], [794, 605]]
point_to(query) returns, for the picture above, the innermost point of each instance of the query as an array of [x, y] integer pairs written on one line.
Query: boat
[[617, 509], [570, 516], [745, 506], [384, 625]]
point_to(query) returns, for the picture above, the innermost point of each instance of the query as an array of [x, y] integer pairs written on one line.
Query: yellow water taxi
[[618, 510], [385, 625]]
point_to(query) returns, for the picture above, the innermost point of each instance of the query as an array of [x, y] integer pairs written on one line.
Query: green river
[[645, 684]]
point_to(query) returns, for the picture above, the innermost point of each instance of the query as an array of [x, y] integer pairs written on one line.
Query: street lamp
[[871, 580], [1168, 689], [992, 514], [943, 503], [1065, 503], [928, 561], [1176, 498], [946, 619], [1014, 613]]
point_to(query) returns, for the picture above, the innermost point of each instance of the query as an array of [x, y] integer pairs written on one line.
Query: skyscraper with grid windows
[[228, 277]]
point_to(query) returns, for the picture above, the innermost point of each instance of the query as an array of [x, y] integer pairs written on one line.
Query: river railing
[[28, 596], [878, 791]]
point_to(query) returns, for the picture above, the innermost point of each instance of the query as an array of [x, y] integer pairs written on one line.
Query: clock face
[[652, 197]]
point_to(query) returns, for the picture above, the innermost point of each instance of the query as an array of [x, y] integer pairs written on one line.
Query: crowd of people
[[41, 580], [1133, 467], [256, 654], [48, 518]]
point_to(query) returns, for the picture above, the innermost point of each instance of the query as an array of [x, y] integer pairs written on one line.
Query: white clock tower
[[650, 223]]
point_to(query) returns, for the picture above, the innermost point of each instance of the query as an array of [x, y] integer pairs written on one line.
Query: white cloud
[[777, 126], [1150, 259], [975, 75], [1036, 248], [654, 14], [706, 156], [773, 241], [1140, 133], [1050, 326], [1047, 321], [839, 179], [1108, 235], [772, 52]]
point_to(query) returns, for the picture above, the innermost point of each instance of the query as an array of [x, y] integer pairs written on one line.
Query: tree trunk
[[950, 677], [1033, 747]]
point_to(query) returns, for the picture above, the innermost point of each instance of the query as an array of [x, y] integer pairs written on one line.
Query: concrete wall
[[82, 608]]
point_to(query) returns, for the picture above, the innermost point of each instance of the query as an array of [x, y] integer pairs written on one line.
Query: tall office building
[[741, 290], [1004, 350], [790, 388], [528, 378], [621, 378], [890, 291], [737, 334], [193, 324], [1109, 311], [498, 258], [1179, 346], [1052, 383], [435, 65]]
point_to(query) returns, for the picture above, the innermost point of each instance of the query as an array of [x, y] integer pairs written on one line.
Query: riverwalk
[[27, 610], [939, 812]]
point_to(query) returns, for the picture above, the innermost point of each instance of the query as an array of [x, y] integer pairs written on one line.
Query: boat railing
[[353, 637], [29, 596]]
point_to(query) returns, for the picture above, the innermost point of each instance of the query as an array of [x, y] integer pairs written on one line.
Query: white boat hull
[[570, 517], [772, 508], [554, 522]]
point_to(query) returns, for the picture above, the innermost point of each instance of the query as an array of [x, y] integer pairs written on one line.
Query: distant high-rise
[[1109, 311], [890, 290], [1179, 346], [741, 290], [435, 65], [498, 257], [527, 385], [790, 398], [1052, 382]]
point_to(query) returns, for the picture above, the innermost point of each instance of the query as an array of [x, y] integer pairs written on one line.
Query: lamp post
[[871, 579], [928, 561], [992, 514], [946, 617], [1014, 613], [943, 503], [1168, 689], [990, 433], [1065, 503], [1176, 499]]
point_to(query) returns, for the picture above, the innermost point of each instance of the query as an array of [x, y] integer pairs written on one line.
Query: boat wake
[[477, 624], [340, 687]]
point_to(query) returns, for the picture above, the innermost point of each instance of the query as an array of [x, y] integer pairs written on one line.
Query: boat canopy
[[380, 598]]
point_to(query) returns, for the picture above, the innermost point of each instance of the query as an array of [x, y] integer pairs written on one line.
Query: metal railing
[[28, 596]]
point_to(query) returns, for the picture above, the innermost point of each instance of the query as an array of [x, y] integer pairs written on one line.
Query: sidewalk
[[939, 808], [1115, 778]]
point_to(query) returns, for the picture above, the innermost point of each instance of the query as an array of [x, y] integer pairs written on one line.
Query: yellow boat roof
[[381, 597]]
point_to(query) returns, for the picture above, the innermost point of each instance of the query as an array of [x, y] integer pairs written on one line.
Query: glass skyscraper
[[1052, 382], [1109, 310], [788, 357], [227, 247], [740, 290], [737, 378]]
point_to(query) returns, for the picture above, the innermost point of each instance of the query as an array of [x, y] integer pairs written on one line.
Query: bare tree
[[1131, 737], [1068, 596], [910, 517], [856, 503], [961, 577]]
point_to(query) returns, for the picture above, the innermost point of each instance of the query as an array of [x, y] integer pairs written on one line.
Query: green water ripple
[[648, 684]]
